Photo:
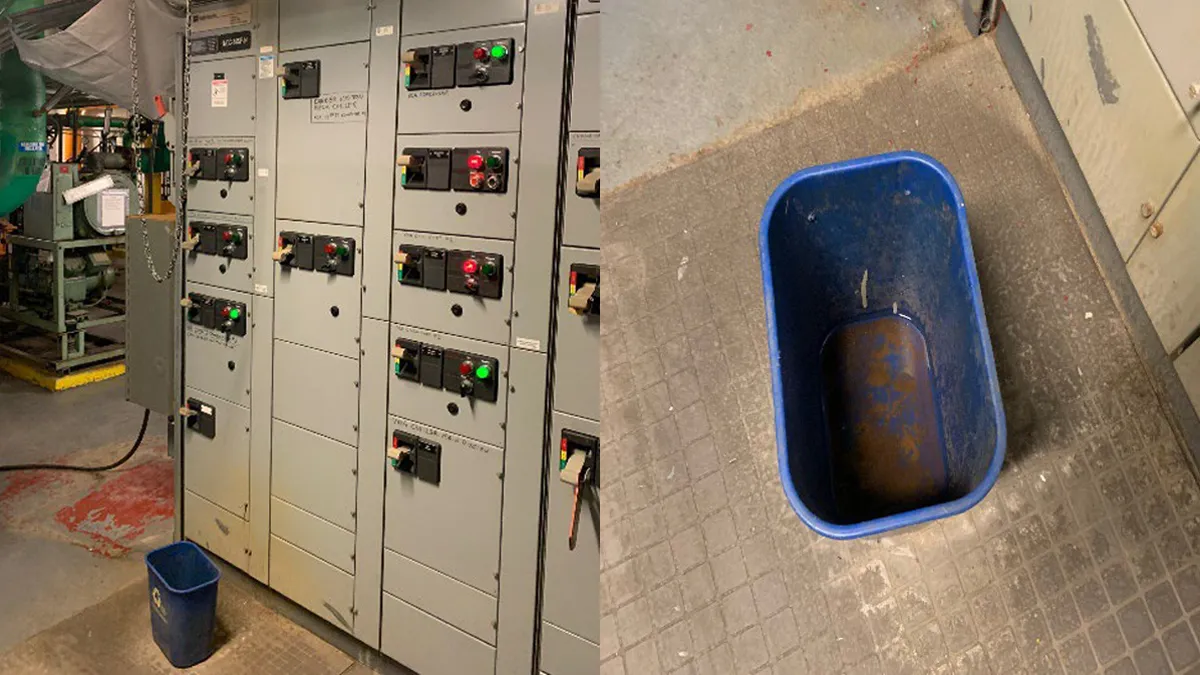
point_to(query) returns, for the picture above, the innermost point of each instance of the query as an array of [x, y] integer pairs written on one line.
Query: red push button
[[475, 162]]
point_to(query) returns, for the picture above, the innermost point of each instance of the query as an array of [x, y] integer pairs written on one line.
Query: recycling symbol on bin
[[156, 598]]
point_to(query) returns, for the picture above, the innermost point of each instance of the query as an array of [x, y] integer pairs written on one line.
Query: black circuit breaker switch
[[209, 235], [402, 454], [429, 68], [300, 79], [232, 240], [476, 376], [484, 63], [406, 360], [475, 273], [201, 417], [234, 164], [429, 461], [572, 444], [294, 250], [583, 291], [334, 255], [199, 310], [431, 366], [424, 168], [479, 170], [420, 266], [587, 173], [203, 164]]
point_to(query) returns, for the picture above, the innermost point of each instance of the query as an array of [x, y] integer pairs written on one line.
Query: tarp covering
[[92, 54]]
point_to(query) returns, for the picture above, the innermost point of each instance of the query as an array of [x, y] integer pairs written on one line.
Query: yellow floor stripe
[[53, 382]]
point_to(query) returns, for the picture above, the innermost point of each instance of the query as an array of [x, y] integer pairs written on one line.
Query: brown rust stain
[[886, 450]]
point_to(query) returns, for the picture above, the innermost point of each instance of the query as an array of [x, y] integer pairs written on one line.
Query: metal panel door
[[1164, 270], [465, 109], [429, 645], [585, 85], [316, 585], [314, 535], [445, 408], [315, 23], [453, 526], [426, 16], [470, 213], [321, 166], [571, 596], [222, 98], [218, 468], [316, 308], [564, 653], [215, 363], [1168, 26], [317, 390], [456, 603], [455, 313], [315, 473], [223, 196], [577, 346], [219, 270], [1115, 107]]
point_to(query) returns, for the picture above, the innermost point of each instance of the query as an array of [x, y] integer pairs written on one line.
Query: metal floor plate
[[1083, 557]]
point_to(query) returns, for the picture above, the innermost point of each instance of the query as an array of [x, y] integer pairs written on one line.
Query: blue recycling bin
[[183, 602], [887, 404]]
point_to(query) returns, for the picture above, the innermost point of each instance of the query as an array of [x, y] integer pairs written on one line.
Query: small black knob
[[456, 309], [224, 193], [231, 365], [452, 408], [221, 268], [460, 208], [465, 104], [335, 311]]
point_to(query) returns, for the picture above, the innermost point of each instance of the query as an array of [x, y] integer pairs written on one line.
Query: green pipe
[[22, 135]]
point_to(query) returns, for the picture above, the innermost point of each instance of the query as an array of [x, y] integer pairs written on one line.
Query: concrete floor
[[680, 81], [70, 540], [1085, 557]]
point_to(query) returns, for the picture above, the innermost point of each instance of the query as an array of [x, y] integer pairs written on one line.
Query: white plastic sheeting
[[92, 54]]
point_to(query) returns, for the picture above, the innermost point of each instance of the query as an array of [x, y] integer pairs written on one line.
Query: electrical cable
[[86, 469]]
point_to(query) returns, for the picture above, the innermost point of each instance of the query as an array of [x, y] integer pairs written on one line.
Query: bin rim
[[924, 514], [184, 544]]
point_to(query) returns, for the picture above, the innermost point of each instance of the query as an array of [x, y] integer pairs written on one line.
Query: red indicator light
[[395, 441], [465, 368], [225, 312], [227, 235], [480, 54], [330, 249], [470, 266], [475, 162], [229, 158]]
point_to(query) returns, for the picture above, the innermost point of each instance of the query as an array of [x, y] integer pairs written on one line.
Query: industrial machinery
[[60, 268], [382, 372]]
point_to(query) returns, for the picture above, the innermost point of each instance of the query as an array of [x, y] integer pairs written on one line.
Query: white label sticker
[[220, 93], [113, 206], [263, 173], [384, 30], [546, 8], [206, 409], [529, 343], [346, 107], [266, 67], [222, 17], [261, 289], [266, 49]]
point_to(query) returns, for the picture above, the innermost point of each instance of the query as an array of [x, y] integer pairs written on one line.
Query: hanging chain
[[182, 152]]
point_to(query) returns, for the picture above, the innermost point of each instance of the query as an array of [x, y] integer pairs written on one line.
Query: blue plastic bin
[[183, 602], [887, 406]]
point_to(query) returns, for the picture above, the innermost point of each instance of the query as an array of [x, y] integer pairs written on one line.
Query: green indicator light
[[499, 52], [483, 372], [342, 251], [489, 269], [493, 162], [235, 313]]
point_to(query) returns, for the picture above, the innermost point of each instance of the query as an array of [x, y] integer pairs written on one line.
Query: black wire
[[86, 469]]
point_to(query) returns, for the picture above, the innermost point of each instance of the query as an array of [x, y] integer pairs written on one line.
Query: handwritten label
[[529, 343], [266, 49], [340, 108], [546, 8], [384, 31], [261, 289]]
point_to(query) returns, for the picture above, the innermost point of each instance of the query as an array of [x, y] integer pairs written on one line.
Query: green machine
[[61, 268]]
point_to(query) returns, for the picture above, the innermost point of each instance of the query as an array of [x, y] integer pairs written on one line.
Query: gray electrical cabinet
[[391, 256]]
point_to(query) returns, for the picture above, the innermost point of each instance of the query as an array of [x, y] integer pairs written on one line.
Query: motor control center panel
[[369, 317]]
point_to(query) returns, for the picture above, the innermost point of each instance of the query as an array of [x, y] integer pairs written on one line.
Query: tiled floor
[[1084, 558]]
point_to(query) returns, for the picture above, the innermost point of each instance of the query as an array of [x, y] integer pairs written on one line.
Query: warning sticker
[[220, 91], [344, 107], [266, 67]]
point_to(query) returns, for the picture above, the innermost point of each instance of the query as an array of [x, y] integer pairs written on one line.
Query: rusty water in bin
[[886, 447]]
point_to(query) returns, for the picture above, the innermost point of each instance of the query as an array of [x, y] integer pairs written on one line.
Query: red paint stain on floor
[[22, 482], [118, 512]]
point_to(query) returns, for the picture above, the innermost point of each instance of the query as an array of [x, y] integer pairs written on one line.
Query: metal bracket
[[56, 98]]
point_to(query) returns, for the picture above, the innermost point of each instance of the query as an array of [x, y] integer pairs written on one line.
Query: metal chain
[[182, 152]]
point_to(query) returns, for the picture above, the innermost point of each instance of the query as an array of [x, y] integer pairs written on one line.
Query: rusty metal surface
[[887, 454]]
